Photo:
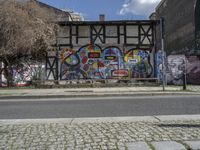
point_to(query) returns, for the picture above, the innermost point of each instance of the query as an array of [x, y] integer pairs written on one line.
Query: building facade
[[99, 50], [181, 25], [74, 16], [56, 13], [181, 40]]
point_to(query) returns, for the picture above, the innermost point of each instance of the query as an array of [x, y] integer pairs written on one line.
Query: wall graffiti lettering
[[91, 62]]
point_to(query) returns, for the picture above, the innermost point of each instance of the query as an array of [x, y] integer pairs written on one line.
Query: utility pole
[[162, 32]]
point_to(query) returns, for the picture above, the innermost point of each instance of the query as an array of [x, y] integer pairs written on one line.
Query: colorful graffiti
[[91, 62], [139, 63], [159, 65], [22, 75]]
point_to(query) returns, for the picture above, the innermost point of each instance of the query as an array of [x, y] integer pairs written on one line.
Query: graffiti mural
[[138, 61], [70, 65], [175, 69], [23, 74], [159, 65], [176, 66], [114, 63], [91, 62]]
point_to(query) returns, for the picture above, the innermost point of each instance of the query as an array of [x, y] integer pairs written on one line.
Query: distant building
[[74, 16], [152, 16], [182, 25], [61, 14], [58, 14]]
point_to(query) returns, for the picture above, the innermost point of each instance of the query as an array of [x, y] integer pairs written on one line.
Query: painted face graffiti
[[176, 68]]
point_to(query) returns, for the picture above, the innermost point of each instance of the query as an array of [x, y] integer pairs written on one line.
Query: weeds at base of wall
[[37, 84], [90, 84], [17, 87]]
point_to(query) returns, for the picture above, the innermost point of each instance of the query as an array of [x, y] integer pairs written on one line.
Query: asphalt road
[[99, 107]]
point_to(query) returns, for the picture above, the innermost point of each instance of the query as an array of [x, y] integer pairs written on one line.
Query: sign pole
[[163, 52]]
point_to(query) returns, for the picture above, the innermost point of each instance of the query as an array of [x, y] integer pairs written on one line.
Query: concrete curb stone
[[168, 145], [138, 146], [71, 95], [102, 119], [194, 145]]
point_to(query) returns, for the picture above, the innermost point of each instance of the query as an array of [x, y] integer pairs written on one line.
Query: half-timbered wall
[[103, 50]]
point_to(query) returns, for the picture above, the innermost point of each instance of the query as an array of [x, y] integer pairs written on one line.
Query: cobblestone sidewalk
[[193, 88], [95, 136]]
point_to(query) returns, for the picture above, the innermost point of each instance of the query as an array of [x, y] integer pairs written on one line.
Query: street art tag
[[120, 73]]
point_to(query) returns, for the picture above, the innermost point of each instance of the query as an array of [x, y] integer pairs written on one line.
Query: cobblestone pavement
[[94, 136], [194, 88]]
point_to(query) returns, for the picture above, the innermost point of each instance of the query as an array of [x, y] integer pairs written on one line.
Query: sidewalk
[[78, 92], [123, 133]]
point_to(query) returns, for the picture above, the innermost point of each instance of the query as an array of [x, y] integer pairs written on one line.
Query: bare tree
[[25, 29]]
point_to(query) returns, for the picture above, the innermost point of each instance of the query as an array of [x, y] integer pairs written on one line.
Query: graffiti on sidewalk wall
[[93, 62], [176, 66], [159, 65], [22, 75], [175, 69]]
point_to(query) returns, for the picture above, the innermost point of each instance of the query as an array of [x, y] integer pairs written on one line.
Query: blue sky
[[113, 9]]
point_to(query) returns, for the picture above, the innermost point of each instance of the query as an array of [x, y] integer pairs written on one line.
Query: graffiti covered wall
[[159, 65], [23, 74], [176, 66], [93, 62], [103, 50], [175, 69]]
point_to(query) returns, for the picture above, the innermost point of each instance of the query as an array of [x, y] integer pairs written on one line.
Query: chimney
[[101, 17]]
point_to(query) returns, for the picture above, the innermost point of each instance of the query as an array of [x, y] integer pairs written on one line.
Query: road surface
[[99, 107]]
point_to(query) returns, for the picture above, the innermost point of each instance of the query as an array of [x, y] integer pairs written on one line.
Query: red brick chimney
[[101, 17]]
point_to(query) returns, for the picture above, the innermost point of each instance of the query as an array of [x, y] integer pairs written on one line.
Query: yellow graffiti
[[132, 55], [65, 53]]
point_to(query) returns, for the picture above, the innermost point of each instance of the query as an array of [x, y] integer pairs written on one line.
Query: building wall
[[179, 18], [56, 13], [197, 23], [108, 50], [95, 62], [176, 66], [23, 74]]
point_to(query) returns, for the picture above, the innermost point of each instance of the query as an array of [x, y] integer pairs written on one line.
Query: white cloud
[[139, 7]]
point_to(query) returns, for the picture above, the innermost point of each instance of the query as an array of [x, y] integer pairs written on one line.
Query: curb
[[103, 119], [75, 95]]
